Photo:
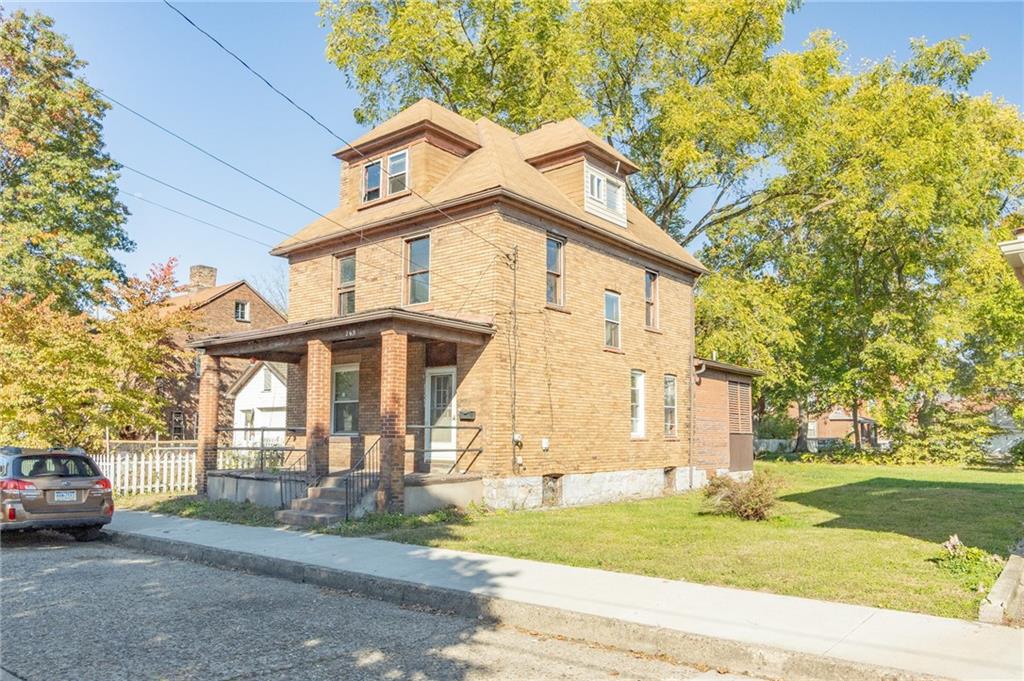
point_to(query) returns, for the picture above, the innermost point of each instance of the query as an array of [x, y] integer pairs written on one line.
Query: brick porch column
[[209, 413], [394, 348], [318, 406]]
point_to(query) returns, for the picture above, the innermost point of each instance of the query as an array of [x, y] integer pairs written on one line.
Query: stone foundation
[[581, 489]]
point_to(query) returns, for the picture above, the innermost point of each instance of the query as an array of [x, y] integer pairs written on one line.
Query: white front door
[[439, 407]]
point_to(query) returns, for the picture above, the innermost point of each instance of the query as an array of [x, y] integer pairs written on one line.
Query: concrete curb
[[995, 607], [693, 649]]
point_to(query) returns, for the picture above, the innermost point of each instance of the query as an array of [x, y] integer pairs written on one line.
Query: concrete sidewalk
[[745, 631]]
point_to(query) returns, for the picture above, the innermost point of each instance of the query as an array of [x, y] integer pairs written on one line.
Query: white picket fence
[[170, 468]]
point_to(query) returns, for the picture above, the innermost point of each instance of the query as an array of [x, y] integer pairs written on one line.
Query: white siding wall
[[268, 408]]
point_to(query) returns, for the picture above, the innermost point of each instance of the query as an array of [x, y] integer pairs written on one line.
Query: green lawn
[[190, 506], [853, 533]]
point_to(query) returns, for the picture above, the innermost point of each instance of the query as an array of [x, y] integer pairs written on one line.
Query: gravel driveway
[[99, 611]]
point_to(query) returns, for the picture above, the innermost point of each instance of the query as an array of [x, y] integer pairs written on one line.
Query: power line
[[199, 220], [323, 125]]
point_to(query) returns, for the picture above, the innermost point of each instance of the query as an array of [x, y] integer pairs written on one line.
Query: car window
[[54, 466]]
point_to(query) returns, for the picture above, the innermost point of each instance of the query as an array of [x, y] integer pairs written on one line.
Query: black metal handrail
[[362, 477], [461, 451]]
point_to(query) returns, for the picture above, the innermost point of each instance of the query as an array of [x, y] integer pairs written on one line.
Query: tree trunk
[[801, 431], [856, 426]]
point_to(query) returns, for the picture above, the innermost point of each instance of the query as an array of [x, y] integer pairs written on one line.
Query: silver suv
[[60, 489]]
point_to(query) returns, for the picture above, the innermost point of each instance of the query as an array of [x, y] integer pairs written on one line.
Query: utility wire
[[199, 220], [323, 125]]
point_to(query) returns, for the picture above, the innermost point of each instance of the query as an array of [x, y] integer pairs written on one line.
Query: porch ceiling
[[287, 343]]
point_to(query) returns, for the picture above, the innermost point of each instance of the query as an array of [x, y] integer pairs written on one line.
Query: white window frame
[[407, 293], [652, 302], [343, 287], [268, 383], [617, 322], [560, 274], [405, 186], [637, 381], [671, 424], [245, 311], [595, 194], [336, 369]]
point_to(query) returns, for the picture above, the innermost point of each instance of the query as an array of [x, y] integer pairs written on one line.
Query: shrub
[[750, 500], [1017, 453], [772, 427], [975, 568]]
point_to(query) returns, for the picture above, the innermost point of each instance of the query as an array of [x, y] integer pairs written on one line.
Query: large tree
[[66, 377], [688, 90], [59, 214]]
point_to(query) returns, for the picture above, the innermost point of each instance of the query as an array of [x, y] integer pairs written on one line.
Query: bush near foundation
[[753, 499]]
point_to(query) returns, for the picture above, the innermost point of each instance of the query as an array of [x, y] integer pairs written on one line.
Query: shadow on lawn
[[989, 516]]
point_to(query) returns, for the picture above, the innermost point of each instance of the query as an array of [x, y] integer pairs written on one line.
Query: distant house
[[224, 308], [488, 309], [835, 425], [260, 397], [1013, 251]]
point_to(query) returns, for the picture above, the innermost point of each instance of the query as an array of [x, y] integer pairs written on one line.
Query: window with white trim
[[386, 176], [612, 337], [345, 400], [371, 181], [241, 311], [398, 171], [346, 284], [555, 260], [671, 416], [604, 194], [417, 272], [636, 403], [651, 299], [267, 382]]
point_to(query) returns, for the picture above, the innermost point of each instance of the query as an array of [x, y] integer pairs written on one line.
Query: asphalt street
[[99, 611]]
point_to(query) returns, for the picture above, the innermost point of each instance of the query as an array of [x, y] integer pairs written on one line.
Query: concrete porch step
[[318, 505], [338, 479], [327, 493], [307, 518]]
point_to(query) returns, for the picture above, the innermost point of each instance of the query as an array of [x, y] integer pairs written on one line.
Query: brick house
[[224, 308], [486, 305], [1013, 251]]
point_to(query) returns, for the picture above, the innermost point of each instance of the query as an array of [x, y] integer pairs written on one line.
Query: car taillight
[[101, 486], [19, 488], [10, 513]]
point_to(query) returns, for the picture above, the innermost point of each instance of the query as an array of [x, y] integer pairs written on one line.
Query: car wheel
[[90, 533]]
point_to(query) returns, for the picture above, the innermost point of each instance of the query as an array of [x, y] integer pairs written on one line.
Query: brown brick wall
[[318, 404], [209, 397]]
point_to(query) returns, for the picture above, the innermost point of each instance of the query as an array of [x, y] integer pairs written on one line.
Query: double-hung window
[[345, 400], [671, 418], [611, 320], [386, 176], [636, 403], [417, 273], [371, 181], [241, 311], [604, 195], [555, 294], [651, 299], [346, 284], [398, 165], [267, 381]]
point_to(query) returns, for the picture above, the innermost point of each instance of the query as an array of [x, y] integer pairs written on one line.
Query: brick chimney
[[200, 277]]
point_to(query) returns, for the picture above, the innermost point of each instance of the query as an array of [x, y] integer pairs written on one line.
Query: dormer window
[[604, 195], [386, 177]]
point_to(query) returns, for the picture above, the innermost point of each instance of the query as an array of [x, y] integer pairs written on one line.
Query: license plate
[[65, 496]]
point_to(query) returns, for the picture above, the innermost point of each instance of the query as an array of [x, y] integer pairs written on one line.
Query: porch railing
[[264, 457], [363, 477], [467, 454]]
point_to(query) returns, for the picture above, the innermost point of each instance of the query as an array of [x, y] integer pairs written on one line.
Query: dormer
[[407, 153], [583, 166]]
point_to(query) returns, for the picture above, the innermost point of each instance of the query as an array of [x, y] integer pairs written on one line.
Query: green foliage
[[752, 499], [974, 568], [201, 508], [1017, 452], [377, 523], [59, 214], [777, 427], [67, 376]]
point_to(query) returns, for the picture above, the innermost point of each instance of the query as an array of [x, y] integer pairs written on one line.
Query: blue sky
[[148, 58]]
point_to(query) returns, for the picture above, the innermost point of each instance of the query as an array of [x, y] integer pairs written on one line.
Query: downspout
[[693, 420]]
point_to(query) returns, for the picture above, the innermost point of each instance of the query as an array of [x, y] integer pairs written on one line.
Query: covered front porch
[[372, 397]]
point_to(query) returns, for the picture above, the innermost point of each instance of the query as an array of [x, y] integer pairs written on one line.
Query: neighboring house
[[536, 335], [835, 425], [223, 308], [260, 396], [1013, 251]]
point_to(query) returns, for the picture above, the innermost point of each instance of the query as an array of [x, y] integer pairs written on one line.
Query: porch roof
[[287, 342]]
